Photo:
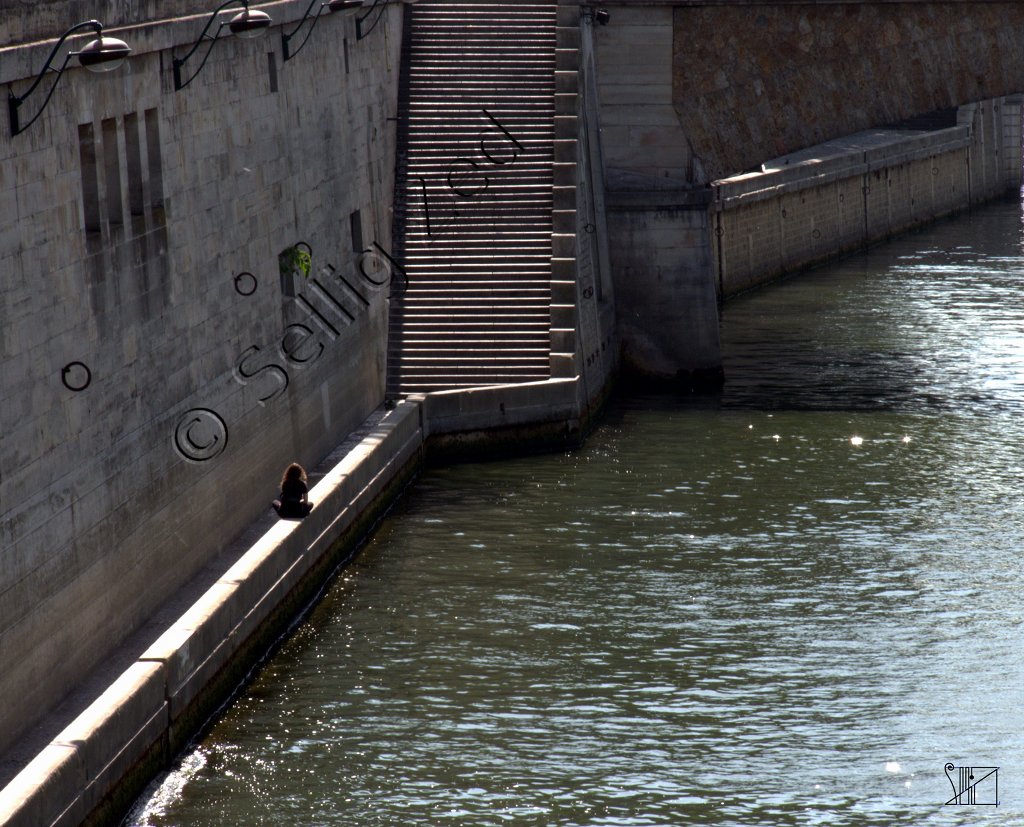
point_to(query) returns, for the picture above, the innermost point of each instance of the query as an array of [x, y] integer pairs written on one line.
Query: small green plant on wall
[[294, 260]]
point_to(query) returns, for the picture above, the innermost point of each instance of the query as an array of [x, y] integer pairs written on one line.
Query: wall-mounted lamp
[[600, 15], [104, 54], [247, 23], [332, 5]]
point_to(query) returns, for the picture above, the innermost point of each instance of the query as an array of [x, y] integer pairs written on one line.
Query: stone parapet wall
[[813, 205]]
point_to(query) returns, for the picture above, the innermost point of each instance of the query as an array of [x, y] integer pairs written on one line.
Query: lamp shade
[[104, 54], [249, 23]]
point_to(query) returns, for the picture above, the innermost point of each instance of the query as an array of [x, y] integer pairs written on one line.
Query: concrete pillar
[[666, 304]]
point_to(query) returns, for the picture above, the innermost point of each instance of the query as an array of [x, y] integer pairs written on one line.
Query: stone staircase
[[473, 196]]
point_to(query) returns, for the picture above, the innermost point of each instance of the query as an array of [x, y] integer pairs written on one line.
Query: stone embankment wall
[[697, 92], [666, 313], [161, 361], [842, 195]]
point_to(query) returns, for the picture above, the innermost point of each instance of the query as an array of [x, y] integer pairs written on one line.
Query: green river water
[[788, 604]]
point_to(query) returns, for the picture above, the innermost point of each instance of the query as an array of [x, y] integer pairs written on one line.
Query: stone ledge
[[499, 406], [69, 778], [849, 157]]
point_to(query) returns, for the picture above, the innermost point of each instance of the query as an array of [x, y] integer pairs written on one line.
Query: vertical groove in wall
[[156, 177], [133, 153], [112, 174], [90, 182], [355, 225], [272, 70]]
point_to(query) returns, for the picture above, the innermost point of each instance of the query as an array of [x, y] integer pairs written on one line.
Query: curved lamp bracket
[[331, 5], [103, 54], [378, 6], [247, 23]]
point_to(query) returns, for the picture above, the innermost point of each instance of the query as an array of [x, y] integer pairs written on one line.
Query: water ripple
[[789, 604]]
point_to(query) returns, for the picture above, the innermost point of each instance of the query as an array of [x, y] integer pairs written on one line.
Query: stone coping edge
[[96, 767], [759, 186]]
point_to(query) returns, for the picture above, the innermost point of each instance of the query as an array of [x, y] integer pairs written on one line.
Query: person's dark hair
[[293, 472]]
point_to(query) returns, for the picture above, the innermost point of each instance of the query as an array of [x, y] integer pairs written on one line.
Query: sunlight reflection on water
[[790, 604]]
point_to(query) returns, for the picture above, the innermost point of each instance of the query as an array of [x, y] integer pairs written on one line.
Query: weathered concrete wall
[[842, 195], [697, 90], [657, 231], [140, 242], [758, 80], [645, 146], [666, 306]]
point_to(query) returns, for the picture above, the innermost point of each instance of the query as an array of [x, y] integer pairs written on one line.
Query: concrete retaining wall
[[665, 297], [676, 255], [691, 91], [842, 195]]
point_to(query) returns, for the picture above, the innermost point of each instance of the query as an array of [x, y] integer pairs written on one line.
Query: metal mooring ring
[[67, 369]]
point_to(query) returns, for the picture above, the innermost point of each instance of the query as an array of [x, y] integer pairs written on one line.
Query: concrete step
[[486, 239], [455, 331], [427, 282], [484, 43], [484, 311], [493, 321], [477, 340], [423, 386], [463, 365], [442, 359], [415, 380], [425, 272], [477, 305]]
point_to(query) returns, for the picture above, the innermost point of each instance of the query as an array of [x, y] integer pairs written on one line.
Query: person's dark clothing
[[292, 506]]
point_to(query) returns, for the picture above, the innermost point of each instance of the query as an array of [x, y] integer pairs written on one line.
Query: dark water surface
[[788, 605]]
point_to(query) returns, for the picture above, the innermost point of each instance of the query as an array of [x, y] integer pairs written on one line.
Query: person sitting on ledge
[[292, 503]]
